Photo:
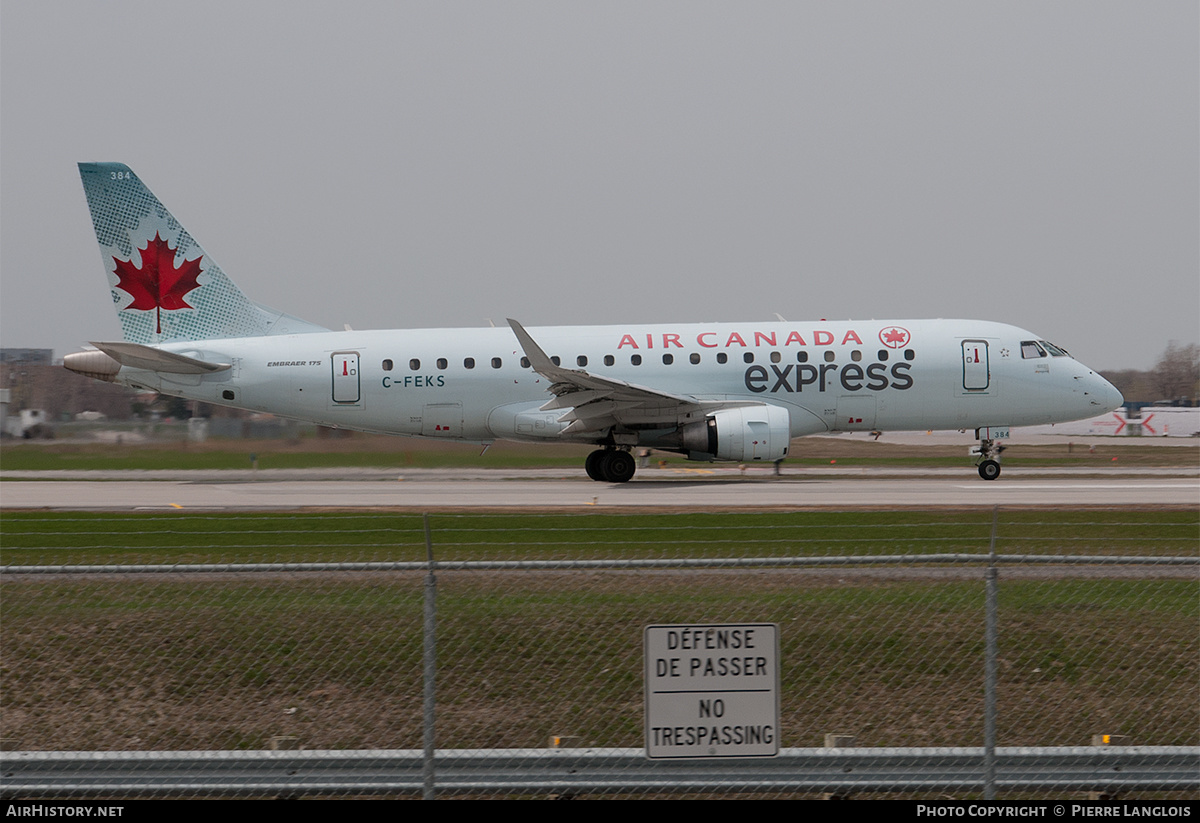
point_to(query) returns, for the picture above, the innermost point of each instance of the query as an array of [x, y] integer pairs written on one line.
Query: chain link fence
[[192, 633]]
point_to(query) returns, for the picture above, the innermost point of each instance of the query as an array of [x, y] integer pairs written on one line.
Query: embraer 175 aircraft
[[711, 391]]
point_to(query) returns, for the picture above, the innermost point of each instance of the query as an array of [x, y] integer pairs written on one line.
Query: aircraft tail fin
[[164, 286]]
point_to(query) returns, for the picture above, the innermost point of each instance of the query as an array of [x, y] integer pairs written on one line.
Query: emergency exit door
[[346, 385], [976, 372]]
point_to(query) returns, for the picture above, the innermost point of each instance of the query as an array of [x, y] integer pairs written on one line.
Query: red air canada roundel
[[157, 284], [894, 337]]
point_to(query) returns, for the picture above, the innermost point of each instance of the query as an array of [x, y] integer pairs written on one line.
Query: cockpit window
[[1055, 351], [1030, 350]]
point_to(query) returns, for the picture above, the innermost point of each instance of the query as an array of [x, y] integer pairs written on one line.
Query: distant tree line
[[1174, 379]]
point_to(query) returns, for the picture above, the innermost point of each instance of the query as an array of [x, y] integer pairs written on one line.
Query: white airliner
[[712, 391]]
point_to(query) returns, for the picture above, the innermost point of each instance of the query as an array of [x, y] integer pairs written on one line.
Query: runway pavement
[[682, 489]]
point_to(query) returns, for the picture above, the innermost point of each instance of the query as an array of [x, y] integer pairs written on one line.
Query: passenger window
[[722, 357], [882, 354], [776, 357], [442, 363], [668, 359], [414, 364], [387, 365], [497, 362], [1030, 350], [524, 362], [609, 360], [635, 359], [581, 360], [909, 354], [695, 358], [856, 356], [556, 360], [748, 357], [829, 356], [801, 357], [469, 363]]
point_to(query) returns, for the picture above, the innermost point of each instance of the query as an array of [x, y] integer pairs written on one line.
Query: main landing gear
[[610, 465], [989, 459]]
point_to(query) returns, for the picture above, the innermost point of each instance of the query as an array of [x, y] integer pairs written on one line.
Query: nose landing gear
[[989, 469], [989, 453]]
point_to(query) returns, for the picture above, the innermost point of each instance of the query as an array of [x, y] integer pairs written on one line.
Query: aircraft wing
[[595, 403]]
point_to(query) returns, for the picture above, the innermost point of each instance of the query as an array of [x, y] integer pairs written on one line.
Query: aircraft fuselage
[[471, 384]]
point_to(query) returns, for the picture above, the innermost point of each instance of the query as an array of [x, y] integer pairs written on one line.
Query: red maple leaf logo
[[158, 284], [894, 337]]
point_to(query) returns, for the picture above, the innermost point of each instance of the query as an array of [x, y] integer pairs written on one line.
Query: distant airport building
[[1149, 421], [33, 357]]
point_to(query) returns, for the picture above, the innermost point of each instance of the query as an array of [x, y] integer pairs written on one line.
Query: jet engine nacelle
[[743, 433]]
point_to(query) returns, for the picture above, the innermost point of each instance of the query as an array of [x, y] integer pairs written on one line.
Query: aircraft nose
[[1102, 394], [1112, 398]]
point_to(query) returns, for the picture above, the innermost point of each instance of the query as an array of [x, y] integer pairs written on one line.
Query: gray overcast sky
[[392, 164]]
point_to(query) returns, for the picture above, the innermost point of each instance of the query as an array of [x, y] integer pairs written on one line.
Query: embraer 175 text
[[713, 391]]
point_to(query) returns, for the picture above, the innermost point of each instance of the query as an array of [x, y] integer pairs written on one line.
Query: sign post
[[712, 690]]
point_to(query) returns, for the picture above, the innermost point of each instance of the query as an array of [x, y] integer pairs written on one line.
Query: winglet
[[541, 363]]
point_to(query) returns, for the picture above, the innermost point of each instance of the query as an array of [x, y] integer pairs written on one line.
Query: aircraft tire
[[618, 466], [594, 465], [989, 469]]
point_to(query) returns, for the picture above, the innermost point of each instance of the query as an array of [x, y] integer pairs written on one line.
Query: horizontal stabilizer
[[137, 356]]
